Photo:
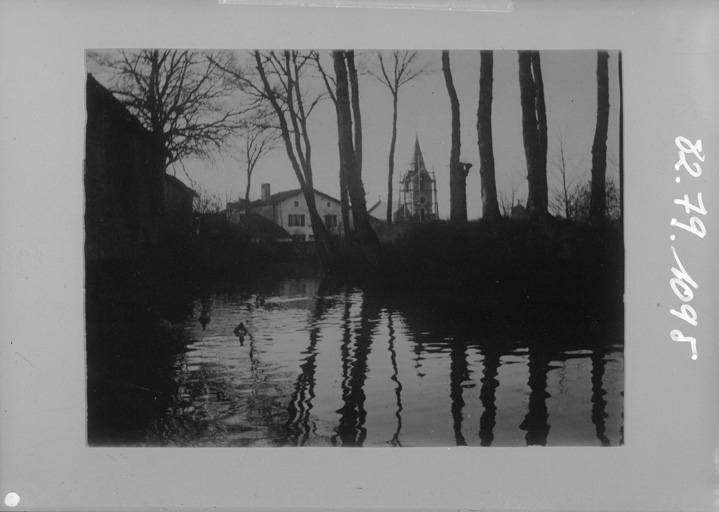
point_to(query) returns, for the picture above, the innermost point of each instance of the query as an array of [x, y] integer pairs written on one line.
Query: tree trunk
[[392, 145], [565, 190], [542, 199], [598, 202], [536, 206], [490, 205], [303, 170], [457, 173], [247, 196], [344, 199], [356, 113], [621, 144], [365, 235]]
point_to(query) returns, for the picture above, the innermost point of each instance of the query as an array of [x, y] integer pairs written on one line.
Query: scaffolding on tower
[[417, 191]]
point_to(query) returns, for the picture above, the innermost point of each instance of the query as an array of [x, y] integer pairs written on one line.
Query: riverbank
[[512, 271], [514, 289], [515, 271]]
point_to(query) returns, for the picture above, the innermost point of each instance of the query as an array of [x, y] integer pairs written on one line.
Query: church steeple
[[418, 194], [418, 159]]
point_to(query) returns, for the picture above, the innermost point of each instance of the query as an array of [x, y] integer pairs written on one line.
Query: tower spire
[[418, 159]]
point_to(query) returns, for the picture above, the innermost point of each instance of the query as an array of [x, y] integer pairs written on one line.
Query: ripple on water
[[348, 369]]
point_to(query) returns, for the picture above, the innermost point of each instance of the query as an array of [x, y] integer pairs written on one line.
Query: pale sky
[[570, 88]]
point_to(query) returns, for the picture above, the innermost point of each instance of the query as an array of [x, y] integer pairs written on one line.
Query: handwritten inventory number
[[682, 283]]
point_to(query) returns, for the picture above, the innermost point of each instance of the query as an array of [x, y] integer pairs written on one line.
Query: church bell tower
[[417, 191]]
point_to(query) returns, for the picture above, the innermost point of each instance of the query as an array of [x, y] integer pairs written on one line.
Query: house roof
[[240, 204], [171, 180], [281, 196], [101, 94], [376, 206], [257, 225]]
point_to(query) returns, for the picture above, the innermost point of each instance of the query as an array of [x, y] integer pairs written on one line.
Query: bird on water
[[241, 330]]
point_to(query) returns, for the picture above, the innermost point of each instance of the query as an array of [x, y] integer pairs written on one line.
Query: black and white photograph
[[354, 248], [474, 240]]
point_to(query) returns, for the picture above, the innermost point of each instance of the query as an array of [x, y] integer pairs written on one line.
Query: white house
[[289, 210]]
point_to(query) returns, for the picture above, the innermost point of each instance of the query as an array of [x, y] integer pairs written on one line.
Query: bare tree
[[507, 199], [281, 79], [350, 153], [621, 137], [180, 96], [259, 139], [395, 70], [207, 202], [457, 170], [490, 206], [534, 132], [598, 204], [541, 120], [331, 86], [561, 203], [580, 199]]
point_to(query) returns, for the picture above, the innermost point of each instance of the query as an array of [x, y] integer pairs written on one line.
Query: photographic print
[[392, 248]]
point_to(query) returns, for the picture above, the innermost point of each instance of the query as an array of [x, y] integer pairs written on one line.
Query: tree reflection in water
[[351, 430], [459, 373], [487, 396], [599, 404], [535, 422], [299, 425], [395, 378], [311, 373]]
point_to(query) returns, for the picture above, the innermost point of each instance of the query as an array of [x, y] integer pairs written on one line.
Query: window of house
[[297, 203], [331, 221], [328, 204], [295, 220], [310, 238]]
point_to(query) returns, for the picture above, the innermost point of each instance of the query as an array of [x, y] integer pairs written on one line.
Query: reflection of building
[[417, 191], [289, 210]]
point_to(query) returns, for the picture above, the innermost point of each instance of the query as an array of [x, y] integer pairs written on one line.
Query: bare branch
[[182, 96]]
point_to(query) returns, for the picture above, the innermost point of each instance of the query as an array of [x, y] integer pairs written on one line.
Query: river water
[[349, 367]]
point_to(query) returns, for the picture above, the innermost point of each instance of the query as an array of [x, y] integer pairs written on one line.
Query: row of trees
[[195, 102], [534, 135]]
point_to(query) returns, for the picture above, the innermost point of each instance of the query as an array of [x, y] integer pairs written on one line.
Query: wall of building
[[297, 206], [280, 210], [178, 219], [124, 180]]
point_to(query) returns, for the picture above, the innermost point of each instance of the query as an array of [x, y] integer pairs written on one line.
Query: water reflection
[[487, 396], [321, 364], [299, 424], [459, 373], [395, 378], [351, 431], [599, 404], [535, 422]]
